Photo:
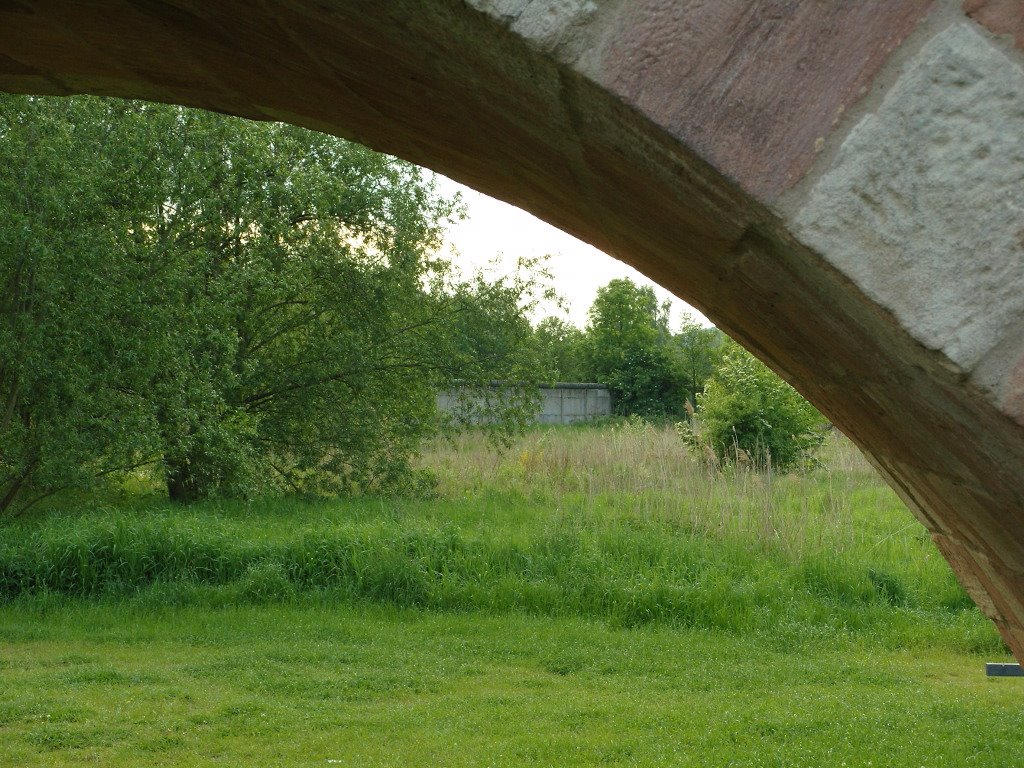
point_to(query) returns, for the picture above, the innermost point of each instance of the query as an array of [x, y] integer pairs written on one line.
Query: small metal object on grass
[[996, 669]]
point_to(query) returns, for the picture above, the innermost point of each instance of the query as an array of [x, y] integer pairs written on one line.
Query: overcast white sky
[[493, 228]]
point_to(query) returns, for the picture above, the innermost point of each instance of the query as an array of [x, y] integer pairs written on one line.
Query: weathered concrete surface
[[565, 403], [915, 209], [1004, 17], [883, 283]]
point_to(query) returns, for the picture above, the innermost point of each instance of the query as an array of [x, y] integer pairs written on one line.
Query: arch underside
[[713, 174]]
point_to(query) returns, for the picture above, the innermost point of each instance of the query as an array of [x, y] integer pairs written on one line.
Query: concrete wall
[[563, 403], [570, 403]]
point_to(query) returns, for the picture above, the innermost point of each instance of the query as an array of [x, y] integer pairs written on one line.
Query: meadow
[[589, 596]]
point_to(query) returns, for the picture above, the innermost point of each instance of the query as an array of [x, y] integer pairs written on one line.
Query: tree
[[253, 306], [561, 349], [493, 351], [73, 345], [628, 348], [699, 352], [303, 348], [748, 413]]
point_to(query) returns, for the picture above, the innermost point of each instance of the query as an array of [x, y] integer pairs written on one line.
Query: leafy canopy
[[628, 347], [249, 307]]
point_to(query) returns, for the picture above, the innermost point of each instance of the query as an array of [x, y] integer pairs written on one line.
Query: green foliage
[[748, 414], [251, 307], [561, 349], [645, 382], [493, 355], [628, 347], [699, 351], [67, 367]]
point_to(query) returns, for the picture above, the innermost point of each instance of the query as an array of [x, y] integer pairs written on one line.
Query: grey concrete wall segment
[[559, 404], [919, 208]]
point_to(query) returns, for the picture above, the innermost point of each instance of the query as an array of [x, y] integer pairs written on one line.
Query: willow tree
[[249, 306]]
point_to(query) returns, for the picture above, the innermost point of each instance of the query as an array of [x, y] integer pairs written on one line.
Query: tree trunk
[[182, 485], [11, 493]]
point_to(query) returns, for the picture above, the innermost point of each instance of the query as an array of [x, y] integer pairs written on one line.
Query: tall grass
[[639, 471], [617, 522]]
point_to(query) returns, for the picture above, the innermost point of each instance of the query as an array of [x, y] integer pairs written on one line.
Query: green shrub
[[747, 414]]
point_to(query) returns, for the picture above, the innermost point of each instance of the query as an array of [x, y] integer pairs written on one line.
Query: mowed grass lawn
[[291, 686], [589, 597]]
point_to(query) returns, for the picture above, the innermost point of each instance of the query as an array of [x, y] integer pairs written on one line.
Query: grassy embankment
[[591, 596]]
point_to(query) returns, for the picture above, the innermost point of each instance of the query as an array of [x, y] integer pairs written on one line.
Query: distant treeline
[[628, 345]]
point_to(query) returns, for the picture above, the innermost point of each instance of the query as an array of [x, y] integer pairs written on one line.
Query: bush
[[747, 414]]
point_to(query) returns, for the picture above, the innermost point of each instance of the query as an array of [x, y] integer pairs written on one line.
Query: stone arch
[[838, 186]]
